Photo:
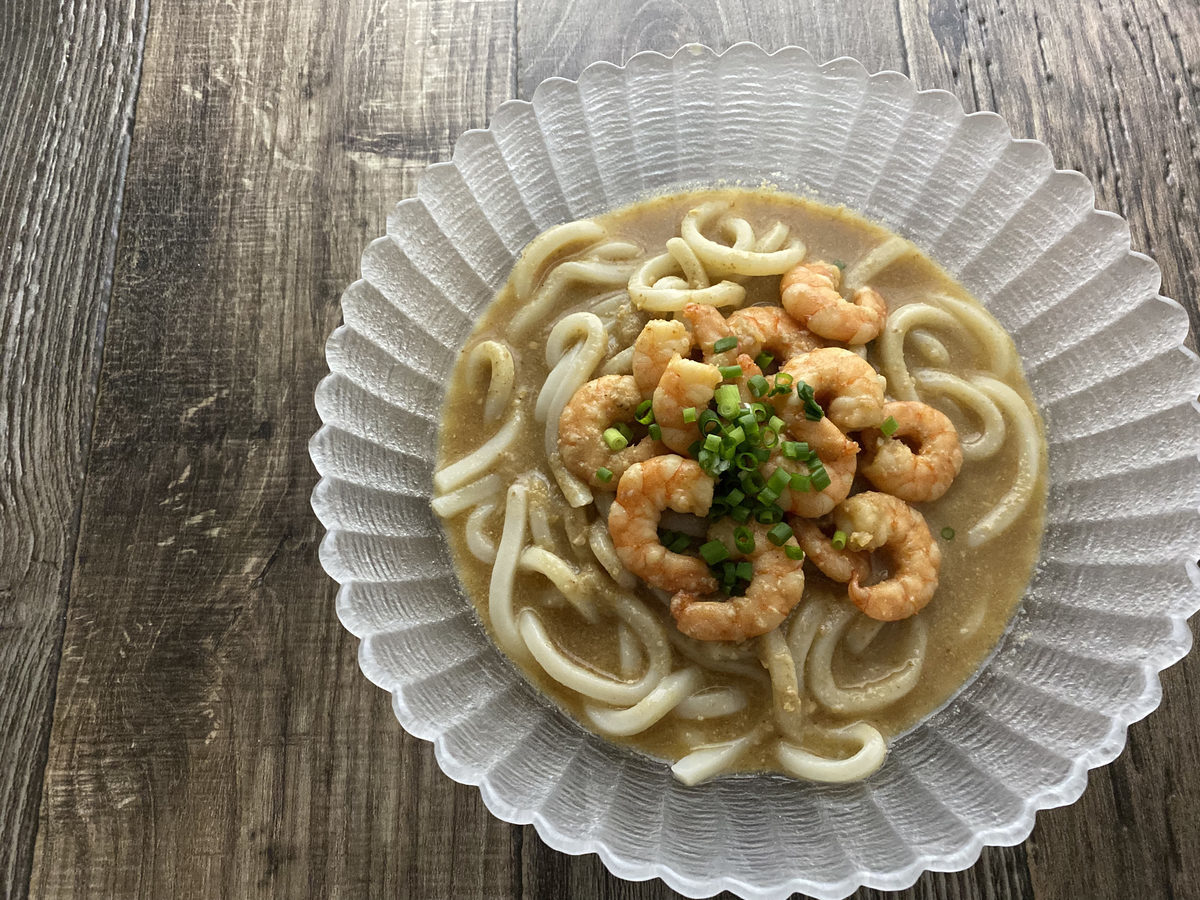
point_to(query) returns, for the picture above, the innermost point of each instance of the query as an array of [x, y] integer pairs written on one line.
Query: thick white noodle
[[539, 524], [866, 760], [500, 590], [786, 701], [582, 680], [650, 709], [620, 364], [741, 258], [712, 703], [890, 344], [998, 346], [990, 438], [803, 631], [602, 547], [713, 759], [501, 374], [547, 245], [615, 250], [891, 250], [571, 366], [550, 293], [862, 631], [627, 649], [479, 460], [1029, 462], [773, 239], [564, 577], [647, 628], [468, 495], [873, 695], [932, 350], [477, 541], [646, 293], [719, 656], [689, 264]]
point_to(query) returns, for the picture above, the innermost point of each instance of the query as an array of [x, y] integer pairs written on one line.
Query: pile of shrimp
[[872, 541]]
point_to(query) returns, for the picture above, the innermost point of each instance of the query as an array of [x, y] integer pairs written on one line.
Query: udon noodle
[[817, 695]]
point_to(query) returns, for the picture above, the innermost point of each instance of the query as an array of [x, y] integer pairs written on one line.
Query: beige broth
[[978, 592]]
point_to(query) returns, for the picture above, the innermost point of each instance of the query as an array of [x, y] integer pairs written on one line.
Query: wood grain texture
[[213, 736], [67, 84]]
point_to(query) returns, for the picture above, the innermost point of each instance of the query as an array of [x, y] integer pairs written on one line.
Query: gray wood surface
[[203, 730]]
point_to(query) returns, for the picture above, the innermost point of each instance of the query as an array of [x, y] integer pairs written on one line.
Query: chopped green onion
[[802, 483], [689, 415], [839, 540], [725, 343], [784, 380], [770, 437], [795, 449], [776, 423], [603, 475], [615, 440], [734, 497], [655, 431], [645, 412], [758, 385], [712, 442], [793, 552], [736, 435], [710, 422], [718, 510], [763, 360], [889, 426], [679, 542], [780, 534], [745, 570], [767, 496], [626, 431], [743, 539], [694, 448], [779, 480], [714, 552], [762, 454], [948, 533], [820, 478], [752, 482], [728, 400], [839, 264], [740, 514], [761, 412], [770, 515], [728, 373], [812, 409]]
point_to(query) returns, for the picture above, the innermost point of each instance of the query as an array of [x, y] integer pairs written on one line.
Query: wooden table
[[185, 189]]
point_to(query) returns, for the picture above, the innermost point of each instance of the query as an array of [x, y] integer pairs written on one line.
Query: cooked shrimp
[[685, 384], [837, 452], [809, 292], [840, 565], [598, 404], [777, 586], [646, 489], [771, 329], [708, 327], [846, 385], [877, 521], [921, 458], [655, 345]]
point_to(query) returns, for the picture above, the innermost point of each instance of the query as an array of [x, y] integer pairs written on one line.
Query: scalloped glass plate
[[1106, 610]]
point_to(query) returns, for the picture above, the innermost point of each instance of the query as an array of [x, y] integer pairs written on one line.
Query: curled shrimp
[[838, 455], [920, 459], [770, 329], [684, 384], [876, 521], [809, 292], [598, 404], [839, 565], [846, 385], [646, 489], [657, 343], [775, 588], [708, 327]]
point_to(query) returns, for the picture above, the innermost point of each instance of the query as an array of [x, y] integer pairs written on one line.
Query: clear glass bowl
[[1107, 607]]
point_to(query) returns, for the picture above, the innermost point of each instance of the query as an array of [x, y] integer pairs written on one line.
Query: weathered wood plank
[[67, 87], [213, 736], [1113, 90]]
